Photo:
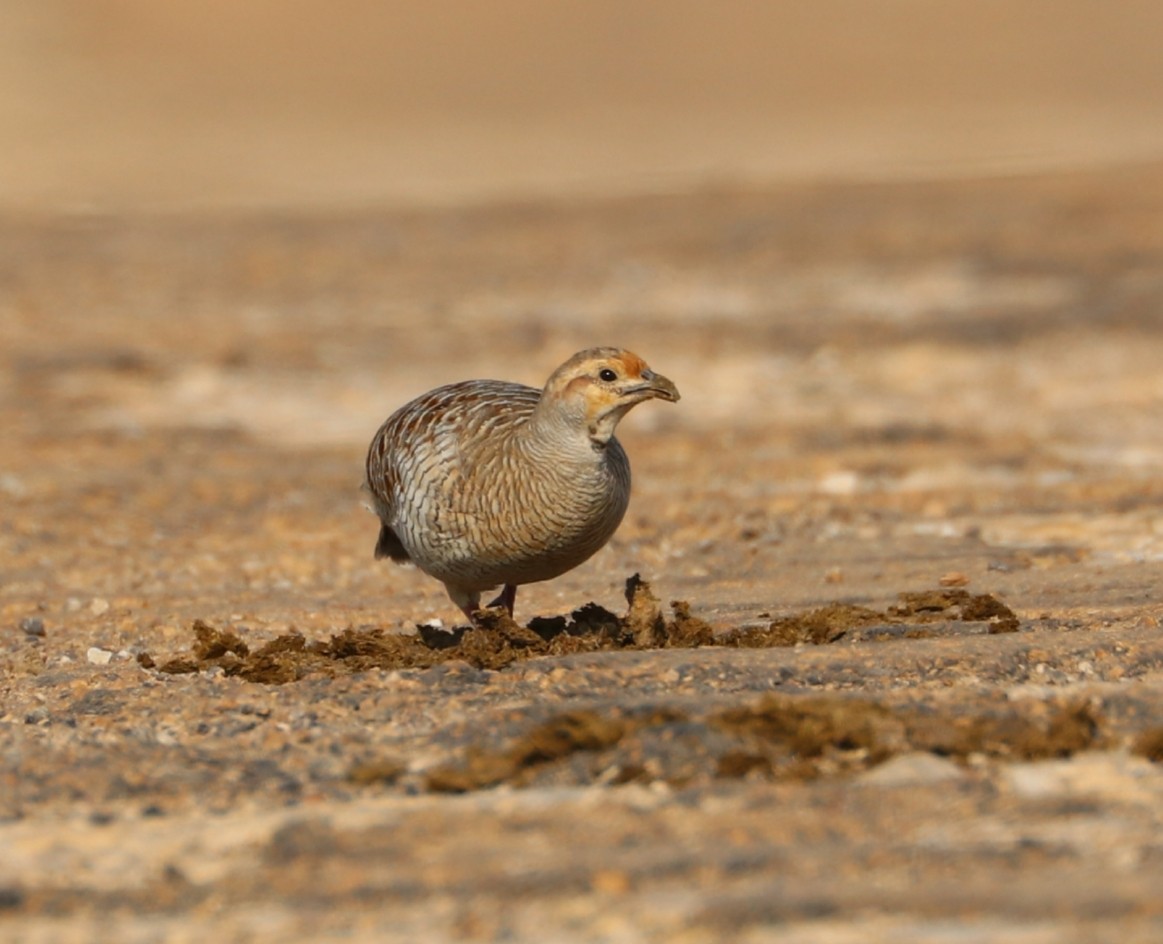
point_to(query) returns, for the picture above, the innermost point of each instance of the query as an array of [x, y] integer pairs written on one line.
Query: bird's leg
[[506, 599]]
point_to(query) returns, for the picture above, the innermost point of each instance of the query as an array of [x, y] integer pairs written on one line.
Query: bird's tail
[[389, 545]]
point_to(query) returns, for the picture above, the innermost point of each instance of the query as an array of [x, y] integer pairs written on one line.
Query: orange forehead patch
[[632, 363]]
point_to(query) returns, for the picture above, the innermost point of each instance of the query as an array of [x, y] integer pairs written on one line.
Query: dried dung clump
[[912, 617], [497, 641], [1011, 735], [286, 658], [956, 604], [780, 737], [380, 770], [552, 740], [808, 726], [1149, 744], [817, 627]]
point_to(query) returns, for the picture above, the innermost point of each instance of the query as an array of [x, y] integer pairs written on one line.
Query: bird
[[486, 483]]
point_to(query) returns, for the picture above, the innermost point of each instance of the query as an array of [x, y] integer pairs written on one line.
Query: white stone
[[98, 656], [1115, 776], [840, 482], [915, 769]]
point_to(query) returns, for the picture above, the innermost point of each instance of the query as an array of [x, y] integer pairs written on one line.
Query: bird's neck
[[563, 436]]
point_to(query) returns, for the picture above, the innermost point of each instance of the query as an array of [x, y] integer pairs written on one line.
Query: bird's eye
[[607, 375]]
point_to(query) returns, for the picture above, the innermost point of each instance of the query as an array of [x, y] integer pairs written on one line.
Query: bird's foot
[[506, 598]]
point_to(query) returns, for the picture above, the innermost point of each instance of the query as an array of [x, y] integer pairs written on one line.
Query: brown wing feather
[[467, 409]]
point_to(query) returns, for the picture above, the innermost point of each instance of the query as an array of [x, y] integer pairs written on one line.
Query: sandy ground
[[887, 388]]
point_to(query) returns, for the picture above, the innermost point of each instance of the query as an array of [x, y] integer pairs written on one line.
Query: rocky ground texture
[[892, 668]]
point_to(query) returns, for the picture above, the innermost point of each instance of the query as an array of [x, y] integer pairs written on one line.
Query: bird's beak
[[659, 387]]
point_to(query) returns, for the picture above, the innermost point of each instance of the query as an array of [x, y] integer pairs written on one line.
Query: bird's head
[[594, 389]]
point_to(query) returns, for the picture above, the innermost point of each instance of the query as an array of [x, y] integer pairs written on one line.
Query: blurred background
[[126, 104]]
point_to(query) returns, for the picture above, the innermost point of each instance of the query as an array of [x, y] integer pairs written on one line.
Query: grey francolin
[[486, 483]]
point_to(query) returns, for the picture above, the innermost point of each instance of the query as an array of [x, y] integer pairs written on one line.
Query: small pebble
[[610, 881], [840, 482], [32, 625], [914, 770], [99, 607], [98, 656], [10, 898], [12, 486], [37, 716]]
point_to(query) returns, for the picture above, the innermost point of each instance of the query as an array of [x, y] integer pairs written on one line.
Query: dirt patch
[[813, 727], [818, 627], [781, 737], [380, 770], [1064, 730], [498, 641], [1149, 744], [803, 737], [808, 727], [557, 738], [913, 617], [956, 604]]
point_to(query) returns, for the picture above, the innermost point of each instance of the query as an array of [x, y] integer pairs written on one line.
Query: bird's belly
[[483, 546]]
